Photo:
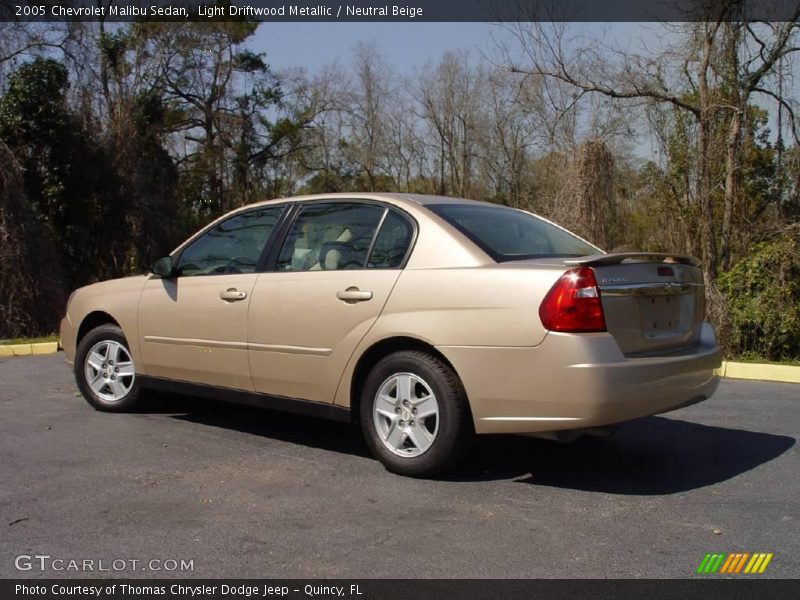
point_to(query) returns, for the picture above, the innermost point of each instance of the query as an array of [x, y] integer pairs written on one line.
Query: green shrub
[[762, 293]]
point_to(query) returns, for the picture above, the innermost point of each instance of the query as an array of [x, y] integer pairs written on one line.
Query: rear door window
[[392, 243], [330, 237]]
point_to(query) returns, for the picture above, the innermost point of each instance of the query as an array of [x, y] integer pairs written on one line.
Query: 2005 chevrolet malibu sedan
[[426, 319]]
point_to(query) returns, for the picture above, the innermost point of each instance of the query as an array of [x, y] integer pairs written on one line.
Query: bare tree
[[368, 112], [323, 101], [689, 75], [749, 57], [19, 41], [404, 147], [595, 183], [449, 96], [511, 133]]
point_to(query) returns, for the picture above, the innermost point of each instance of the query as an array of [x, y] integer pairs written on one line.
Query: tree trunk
[[707, 232], [595, 190], [733, 147], [732, 169]]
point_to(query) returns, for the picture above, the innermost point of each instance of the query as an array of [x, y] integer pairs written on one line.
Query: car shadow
[[650, 456], [314, 432]]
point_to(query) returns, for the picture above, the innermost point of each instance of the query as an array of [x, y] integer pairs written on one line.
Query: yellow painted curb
[[759, 372], [9, 350], [15, 350], [44, 348]]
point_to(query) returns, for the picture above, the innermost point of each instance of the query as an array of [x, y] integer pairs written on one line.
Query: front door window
[[232, 246]]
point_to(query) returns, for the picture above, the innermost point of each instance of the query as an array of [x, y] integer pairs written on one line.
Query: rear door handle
[[232, 295], [353, 294]]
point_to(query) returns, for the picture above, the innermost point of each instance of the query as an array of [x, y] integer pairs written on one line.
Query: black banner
[[402, 11], [370, 589]]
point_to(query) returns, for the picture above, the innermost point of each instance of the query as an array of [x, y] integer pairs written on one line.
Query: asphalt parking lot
[[248, 493]]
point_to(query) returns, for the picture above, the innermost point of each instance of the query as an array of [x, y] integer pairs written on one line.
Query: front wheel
[[105, 372], [415, 414]]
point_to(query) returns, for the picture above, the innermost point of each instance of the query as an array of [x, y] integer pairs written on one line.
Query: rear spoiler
[[597, 260]]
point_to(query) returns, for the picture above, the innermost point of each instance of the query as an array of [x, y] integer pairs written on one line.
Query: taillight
[[573, 304]]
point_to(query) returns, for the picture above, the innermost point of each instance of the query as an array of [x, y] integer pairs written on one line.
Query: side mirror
[[164, 267]]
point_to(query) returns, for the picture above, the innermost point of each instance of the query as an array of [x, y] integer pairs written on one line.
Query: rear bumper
[[572, 381]]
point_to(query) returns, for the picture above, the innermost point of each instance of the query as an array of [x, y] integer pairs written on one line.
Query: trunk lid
[[654, 304]]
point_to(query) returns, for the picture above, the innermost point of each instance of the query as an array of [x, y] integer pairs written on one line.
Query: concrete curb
[[732, 370], [9, 350], [760, 372]]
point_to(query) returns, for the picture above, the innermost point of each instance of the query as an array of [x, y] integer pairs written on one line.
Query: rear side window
[[391, 244], [510, 234]]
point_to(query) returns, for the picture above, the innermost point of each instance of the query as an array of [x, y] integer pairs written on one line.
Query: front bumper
[[573, 381], [67, 337]]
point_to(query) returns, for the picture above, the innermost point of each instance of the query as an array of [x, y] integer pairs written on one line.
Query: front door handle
[[232, 295], [353, 294]]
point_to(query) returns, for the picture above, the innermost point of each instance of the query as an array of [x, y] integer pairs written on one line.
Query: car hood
[[132, 283], [105, 295]]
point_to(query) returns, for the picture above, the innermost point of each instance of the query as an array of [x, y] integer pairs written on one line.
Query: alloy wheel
[[406, 414], [109, 370]]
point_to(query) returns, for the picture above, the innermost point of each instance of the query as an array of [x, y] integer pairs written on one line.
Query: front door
[[193, 327]]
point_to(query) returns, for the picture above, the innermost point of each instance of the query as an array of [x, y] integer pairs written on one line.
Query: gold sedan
[[425, 319]]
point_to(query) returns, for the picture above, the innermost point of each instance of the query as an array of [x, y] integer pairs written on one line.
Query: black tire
[[100, 338], [452, 430]]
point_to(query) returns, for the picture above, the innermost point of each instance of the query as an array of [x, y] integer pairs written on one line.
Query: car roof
[[393, 198]]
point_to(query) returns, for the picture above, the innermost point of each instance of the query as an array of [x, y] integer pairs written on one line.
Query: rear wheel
[[414, 414], [105, 372]]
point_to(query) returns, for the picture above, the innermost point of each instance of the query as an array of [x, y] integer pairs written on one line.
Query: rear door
[[329, 281]]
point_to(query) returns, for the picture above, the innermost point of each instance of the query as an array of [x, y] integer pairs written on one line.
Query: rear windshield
[[510, 234]]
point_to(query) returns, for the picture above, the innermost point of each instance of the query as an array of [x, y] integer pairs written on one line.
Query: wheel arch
[[370, 357], [92, 320]]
